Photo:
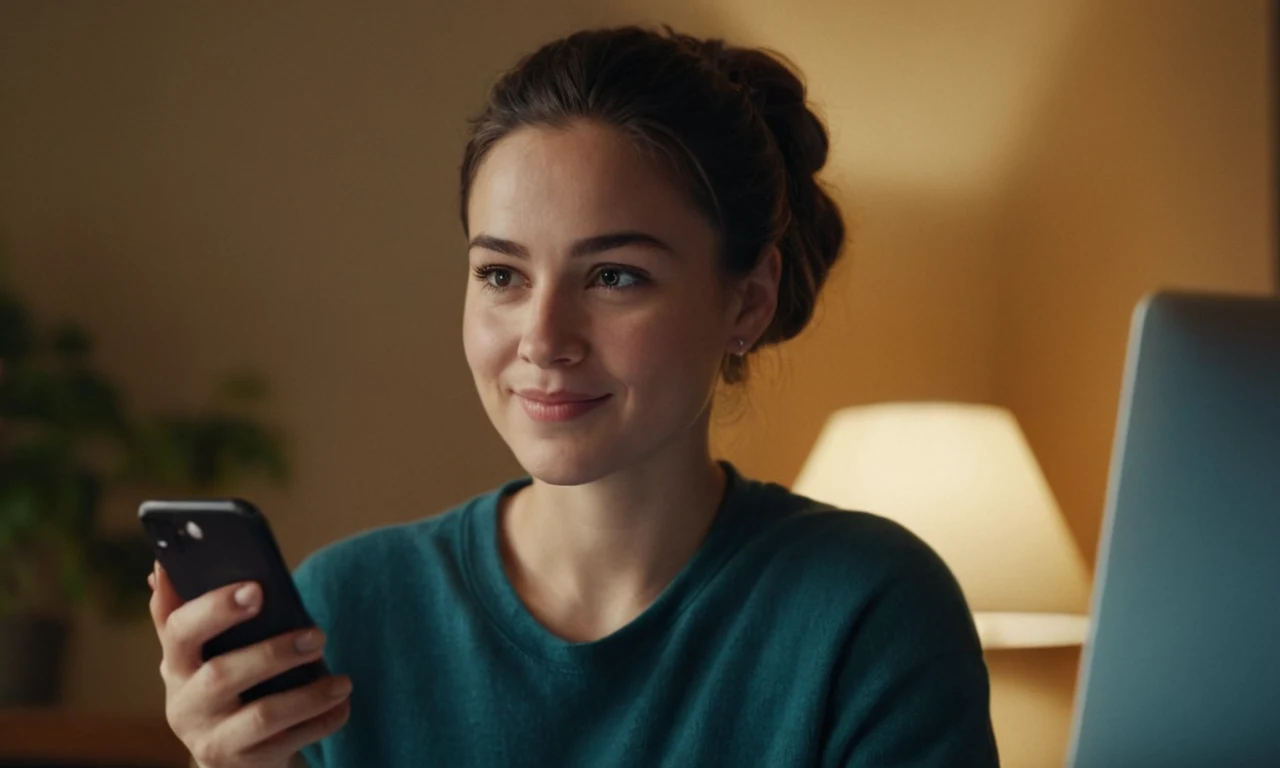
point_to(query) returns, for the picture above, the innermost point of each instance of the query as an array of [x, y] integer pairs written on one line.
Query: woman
[[641, 214]]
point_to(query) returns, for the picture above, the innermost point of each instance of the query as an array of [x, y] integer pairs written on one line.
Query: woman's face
[[596, 316]]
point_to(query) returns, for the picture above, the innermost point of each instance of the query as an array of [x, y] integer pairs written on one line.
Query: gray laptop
[[1182, 667]]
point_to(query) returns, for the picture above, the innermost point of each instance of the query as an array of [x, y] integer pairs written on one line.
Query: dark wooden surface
[[54, 737]]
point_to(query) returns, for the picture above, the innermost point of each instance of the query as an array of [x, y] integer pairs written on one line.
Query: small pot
[[32, 650]]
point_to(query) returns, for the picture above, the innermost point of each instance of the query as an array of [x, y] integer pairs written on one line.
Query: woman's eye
[[615, 278], [497, 278]]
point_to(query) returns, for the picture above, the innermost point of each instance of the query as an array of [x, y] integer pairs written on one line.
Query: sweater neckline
[[482, 560]]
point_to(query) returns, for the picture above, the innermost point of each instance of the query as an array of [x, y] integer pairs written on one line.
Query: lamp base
[[1000, 630]]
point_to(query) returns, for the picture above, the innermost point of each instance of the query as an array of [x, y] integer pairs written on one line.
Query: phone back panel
[[229, 543]]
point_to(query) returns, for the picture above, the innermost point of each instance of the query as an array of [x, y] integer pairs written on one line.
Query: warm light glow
[[963, 478], [999, 629]]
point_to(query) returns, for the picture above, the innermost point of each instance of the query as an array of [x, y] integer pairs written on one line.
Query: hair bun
[[779, 95], [814, 237]]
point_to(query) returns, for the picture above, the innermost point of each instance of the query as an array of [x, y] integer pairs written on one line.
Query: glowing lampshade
[[963, 478]]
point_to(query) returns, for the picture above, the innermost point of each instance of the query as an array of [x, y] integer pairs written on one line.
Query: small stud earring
[[741, 345]]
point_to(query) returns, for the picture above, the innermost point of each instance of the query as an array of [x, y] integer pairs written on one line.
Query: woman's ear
[[756, 300]]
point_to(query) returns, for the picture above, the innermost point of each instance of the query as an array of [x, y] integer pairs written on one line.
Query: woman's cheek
[[484, 341], [662, 347]]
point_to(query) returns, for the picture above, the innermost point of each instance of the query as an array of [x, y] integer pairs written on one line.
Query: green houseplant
[[68, 442]]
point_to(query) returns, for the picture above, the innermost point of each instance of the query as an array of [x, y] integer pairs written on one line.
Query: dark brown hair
[[733, 123]]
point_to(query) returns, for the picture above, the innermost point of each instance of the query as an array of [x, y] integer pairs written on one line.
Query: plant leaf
[[242, 388], [120, 564], [16, 337], [72, 342]]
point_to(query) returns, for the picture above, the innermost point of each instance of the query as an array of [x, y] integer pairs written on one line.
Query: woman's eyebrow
[[586, 247], [498, 245], [607, 242]]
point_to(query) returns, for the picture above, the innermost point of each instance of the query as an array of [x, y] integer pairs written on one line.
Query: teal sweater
[[798, 635]]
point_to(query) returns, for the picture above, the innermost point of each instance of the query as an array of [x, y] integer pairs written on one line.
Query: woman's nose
[[553, 335]]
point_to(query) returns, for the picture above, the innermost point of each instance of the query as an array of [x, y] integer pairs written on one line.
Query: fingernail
[[248, 596], [340, 687], [308, 642]]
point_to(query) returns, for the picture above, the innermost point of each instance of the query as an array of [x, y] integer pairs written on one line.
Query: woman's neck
[[588, 559]]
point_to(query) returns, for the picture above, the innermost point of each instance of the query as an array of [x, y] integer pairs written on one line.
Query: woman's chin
[[564, 464]]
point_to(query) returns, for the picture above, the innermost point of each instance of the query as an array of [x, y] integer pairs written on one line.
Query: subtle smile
[[558, 406]]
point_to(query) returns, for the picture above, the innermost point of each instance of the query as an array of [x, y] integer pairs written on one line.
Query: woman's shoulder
[[867, 537], [395, 550], [854, 568], [898, 626], [861, 553]]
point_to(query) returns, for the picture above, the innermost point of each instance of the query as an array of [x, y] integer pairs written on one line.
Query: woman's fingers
[[202, 703], [164, 600], [184, 628], [283, 723], [224, 677]]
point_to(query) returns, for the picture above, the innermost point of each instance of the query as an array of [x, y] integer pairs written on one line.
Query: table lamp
[[963, 478]]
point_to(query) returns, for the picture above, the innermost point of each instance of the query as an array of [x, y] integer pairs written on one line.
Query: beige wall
[[210, 186], [1148, 165]]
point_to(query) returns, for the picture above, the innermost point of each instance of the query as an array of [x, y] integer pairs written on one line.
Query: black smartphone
[[204, 545]]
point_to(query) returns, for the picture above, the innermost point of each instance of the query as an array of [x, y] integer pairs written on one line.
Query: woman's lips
[[557, 406]]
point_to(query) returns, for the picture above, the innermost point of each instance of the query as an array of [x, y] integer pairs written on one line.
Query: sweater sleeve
[[912, 687], [308, 581]]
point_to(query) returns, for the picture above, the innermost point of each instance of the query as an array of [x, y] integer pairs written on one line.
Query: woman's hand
[[202, 701]]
